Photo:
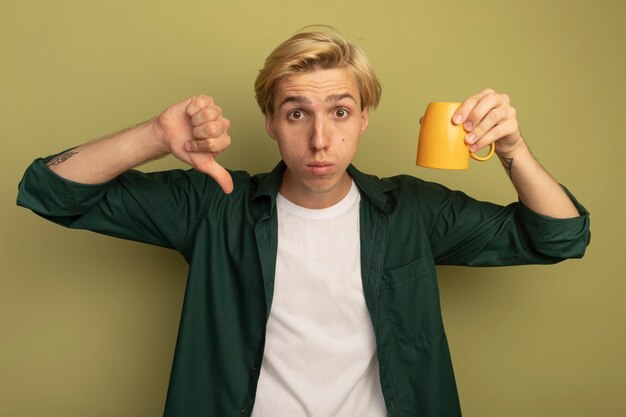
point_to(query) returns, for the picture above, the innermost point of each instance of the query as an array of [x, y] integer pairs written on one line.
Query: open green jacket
[[407, 227]]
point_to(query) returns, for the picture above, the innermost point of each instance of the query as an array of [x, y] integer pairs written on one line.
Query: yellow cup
[[441, 143]]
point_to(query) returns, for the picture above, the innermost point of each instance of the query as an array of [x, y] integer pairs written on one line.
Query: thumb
[[214, 170]]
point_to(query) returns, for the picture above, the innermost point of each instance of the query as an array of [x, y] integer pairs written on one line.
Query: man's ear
[[268, 126], [365, 120]]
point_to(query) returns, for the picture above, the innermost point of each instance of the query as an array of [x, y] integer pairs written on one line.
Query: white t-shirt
[[320, 352]]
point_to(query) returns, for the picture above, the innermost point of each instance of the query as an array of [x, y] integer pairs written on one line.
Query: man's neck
[[314, 198]]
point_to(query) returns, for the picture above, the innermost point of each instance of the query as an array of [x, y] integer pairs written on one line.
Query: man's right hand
[[195, 131]]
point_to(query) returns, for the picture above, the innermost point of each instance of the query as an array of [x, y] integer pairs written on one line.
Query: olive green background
[[88, 323]]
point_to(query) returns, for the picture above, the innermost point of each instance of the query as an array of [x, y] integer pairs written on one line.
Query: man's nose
[[320, 135]]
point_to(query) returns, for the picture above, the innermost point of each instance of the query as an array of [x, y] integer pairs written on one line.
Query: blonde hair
[[311, 51]]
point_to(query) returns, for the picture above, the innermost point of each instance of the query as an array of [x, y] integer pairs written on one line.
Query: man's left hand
[[488, 117]]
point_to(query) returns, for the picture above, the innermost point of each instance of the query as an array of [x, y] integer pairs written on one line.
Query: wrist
[[515, 151], [158, 143]]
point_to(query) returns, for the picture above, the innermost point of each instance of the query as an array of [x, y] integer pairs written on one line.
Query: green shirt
[[407, 227]]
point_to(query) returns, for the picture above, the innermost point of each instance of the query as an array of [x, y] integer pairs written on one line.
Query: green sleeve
[[465, 231], [158, 208]]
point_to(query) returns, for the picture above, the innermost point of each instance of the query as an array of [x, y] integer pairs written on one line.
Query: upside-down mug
[[441, 143]]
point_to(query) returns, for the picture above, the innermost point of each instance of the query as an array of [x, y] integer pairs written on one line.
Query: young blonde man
[[312, 289]]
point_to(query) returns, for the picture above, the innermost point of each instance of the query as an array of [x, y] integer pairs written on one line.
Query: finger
[[495, 117], [499, 131], [206, 114], [214, 170], [462, 113], [480, 111], [212, 145], [488, 101], [211, 129], [197, 103]]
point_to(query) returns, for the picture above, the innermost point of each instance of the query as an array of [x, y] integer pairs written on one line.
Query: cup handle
[[484, 158]]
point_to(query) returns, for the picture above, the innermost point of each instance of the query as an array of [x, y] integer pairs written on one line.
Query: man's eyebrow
[[303, 100], [294, 99], [339, 97]]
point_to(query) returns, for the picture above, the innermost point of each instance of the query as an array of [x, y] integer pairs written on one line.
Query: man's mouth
[[320, 168]]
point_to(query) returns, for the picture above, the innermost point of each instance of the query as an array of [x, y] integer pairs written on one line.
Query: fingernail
[[457, 118], [468, 125], [188, 146], [471, 137], [473, 148]]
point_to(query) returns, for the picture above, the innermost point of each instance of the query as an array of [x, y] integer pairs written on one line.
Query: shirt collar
[[269, 183], [371, 186], [374, 188]]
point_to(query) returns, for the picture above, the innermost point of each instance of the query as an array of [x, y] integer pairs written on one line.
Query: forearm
[[104, 159], [535, 186]]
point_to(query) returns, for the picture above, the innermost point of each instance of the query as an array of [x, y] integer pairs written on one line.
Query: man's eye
[[341, 113], [295, 115]]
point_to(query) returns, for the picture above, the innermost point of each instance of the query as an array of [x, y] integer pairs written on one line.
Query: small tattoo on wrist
[[61, 158], [508, 165]]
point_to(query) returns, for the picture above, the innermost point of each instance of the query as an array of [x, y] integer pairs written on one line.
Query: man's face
[[317, 123]]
